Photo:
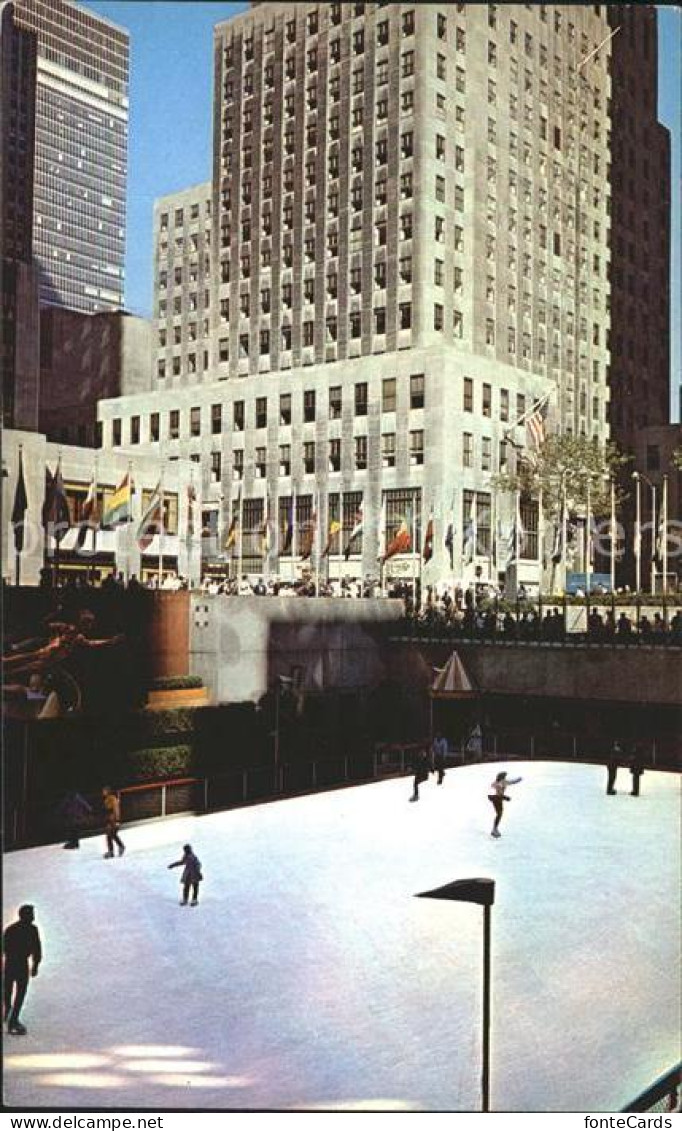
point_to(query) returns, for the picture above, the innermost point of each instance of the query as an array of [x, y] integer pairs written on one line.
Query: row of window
[[389, 403], [181, 215]]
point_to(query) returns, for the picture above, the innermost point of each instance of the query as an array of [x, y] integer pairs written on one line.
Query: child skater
[[498, 797], [191, 875]]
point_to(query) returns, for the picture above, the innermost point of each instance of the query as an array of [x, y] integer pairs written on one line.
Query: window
[[264, 339], [487, 400], [504, 404], [380, 320], [438, 265], [361, 399], [486, 453], [334, 455], [174, 424], [309, 333], [134, 429], [442, 26], [216, 419], [360, 453], [438, 316], [408, 23], [439, 230], [309, 406], [467, 449], [356, 280], [440, 147], [406, 269], [285, 409], [154, 427], [440, 189], [520, 405], [460, 40], [309, 457], [405, 316], [441, 67], [407, 64], [468, 394], [380, 274], [285, 459], [335, 402], [416, 448], [388, 449]]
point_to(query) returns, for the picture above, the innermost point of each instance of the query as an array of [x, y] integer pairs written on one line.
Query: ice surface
[[310, 977]]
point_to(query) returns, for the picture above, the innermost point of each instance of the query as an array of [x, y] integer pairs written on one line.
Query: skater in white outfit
[[497, 797]]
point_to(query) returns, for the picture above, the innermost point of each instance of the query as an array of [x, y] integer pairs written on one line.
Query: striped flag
[[535, 426], [401, 542], [427, 552], [19, 507], [308, 535], [334, 529], [152, 520], [89, 518], [355, 532], [118, 507]]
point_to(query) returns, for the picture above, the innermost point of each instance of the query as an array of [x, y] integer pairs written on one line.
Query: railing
[[663, 1095]]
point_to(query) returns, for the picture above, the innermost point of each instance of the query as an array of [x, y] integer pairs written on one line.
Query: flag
[[89, 517], [152, 520], [558, 541], [382, 531], [191, 500], [357, 529], [118, 507], [401, 542], [308, 536], [56, 507], [334, 529], [265, 531], [427, 552], [592, 535], [660, 538], [20, 507], [535, 426], [450, 540], [470, 534], [233, 532], [289, 529]]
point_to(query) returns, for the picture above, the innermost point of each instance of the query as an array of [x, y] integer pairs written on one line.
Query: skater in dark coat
[[636, 769], [74, 811], [21, 941], [422, 769], [497, 797], [191, 875], [439, 750], [612, 765]]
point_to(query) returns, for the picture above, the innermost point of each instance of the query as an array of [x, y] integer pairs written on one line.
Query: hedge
[[176, 683], [160, 763]]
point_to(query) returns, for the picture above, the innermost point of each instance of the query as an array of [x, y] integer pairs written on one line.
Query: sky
[[171, 108]]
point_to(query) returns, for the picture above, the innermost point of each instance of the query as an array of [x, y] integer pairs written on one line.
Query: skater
[[439, 750], [112, 809], [191, 875], [422, 769], [74, 811], [612, 765], [636, 769], [21, 941], [498, 797]]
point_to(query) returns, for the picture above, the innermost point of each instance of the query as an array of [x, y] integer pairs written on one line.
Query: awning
[[453, 681]]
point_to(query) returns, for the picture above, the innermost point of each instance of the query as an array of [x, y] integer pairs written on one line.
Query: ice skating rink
[[309, 977]]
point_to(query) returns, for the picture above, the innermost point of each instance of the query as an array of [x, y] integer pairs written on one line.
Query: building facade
[[411, 227], [640, 278], [81, 141], [18, 281]]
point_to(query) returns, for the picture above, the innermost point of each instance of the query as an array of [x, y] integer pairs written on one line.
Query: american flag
[[535, 426]]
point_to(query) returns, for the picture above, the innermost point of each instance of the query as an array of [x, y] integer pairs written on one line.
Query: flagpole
[[17, 551], [240, 543], [517, 516], [95, 477], [294, 532], [588, 540], [664, 540], [162, 525], [317, 541], [612, 546], [415, 546], [492, 568], [564, 530], [265, 536], [340, 537], [541, 539], [129, 523], [653, 538], [638, 532]]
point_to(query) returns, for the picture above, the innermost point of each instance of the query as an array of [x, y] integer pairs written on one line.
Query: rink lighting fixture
[[481, 891]]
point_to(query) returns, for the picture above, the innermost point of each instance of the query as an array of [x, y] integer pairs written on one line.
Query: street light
[[481, 891], [637, 476]]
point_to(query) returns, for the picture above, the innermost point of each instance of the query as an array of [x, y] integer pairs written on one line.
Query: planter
[[184, 697]]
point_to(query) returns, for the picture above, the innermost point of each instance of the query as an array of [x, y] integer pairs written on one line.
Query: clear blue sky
[[171, 106]]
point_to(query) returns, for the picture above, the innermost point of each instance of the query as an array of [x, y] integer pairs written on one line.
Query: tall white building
[[410, 247]]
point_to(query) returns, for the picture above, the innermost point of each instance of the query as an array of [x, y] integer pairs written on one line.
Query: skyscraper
[[81, 139]]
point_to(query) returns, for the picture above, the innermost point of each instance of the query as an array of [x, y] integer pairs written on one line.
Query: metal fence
[[663, 1095]]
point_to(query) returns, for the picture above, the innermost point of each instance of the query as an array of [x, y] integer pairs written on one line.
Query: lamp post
[[481, 891], [637, 476], [638, 532]]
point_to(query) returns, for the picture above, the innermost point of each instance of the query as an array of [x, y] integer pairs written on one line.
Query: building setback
[[81, 141]]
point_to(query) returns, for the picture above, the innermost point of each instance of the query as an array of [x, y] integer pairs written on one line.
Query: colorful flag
[[427, 552], [20, 507], [449, 539], [401, 542], [56, 508], [152, 520], [118, 507], [191, 500], [334, 529], [265, 539], [89, 519], [470, 533], [233, 532], [535, 426], [357, 530], [308, 536], [289, 529]]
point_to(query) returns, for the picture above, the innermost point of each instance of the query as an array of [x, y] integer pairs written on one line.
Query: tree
[[566, 461]]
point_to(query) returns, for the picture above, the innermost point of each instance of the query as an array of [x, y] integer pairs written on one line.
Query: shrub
[[161, 763], [176, 683]]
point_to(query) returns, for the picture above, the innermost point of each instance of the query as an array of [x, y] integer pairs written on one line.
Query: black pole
[[485, 1074], [17, 572]]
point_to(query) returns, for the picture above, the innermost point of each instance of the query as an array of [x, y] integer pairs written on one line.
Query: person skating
[[636, 769], [422, 769], [112, 822], [612, 765], [497, 797], [21, 941], [191, 875], [74, 811], [439, 750]]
